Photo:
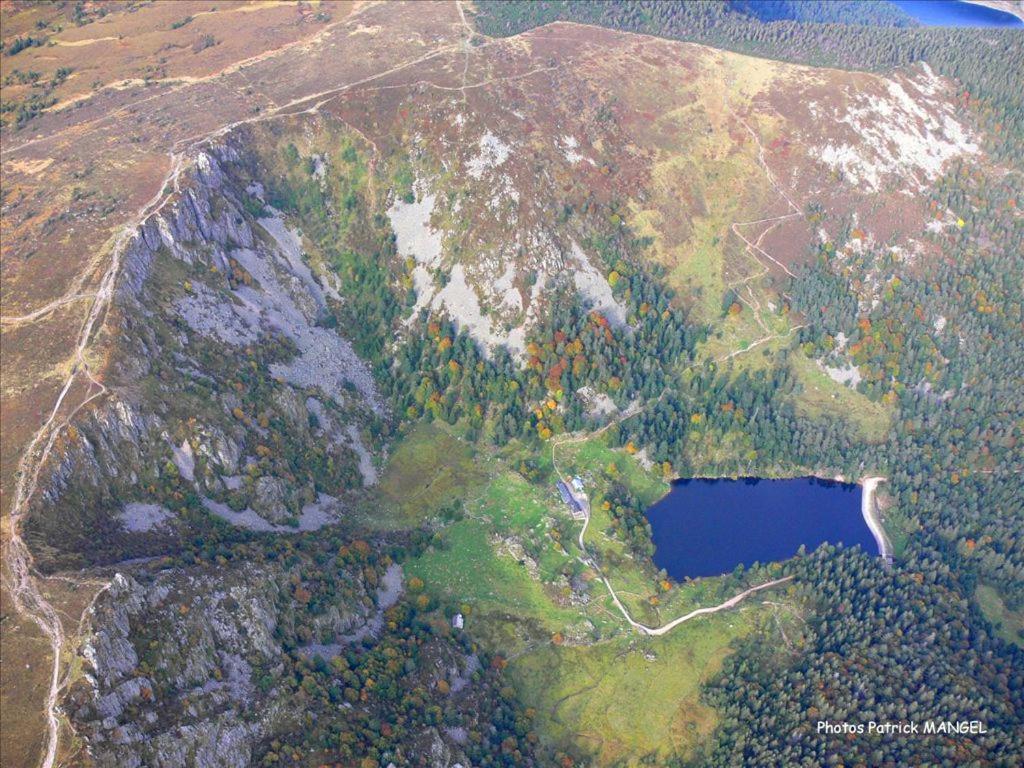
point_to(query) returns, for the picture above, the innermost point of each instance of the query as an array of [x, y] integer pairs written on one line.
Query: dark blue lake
[[708, 527], [952, 13]]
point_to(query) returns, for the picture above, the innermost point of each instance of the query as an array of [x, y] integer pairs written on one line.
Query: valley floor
[[576, 636]]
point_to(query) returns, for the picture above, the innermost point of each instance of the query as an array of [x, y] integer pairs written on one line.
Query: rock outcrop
[[183, 668], [221, 341]]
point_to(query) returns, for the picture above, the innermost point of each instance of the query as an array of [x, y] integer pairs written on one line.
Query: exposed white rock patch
[[215, 316], [848, 375], [391, 587], [460, 680], [185, 460], [516, 339], [325, 359], [595, 289], [462, 304], [493, 152], [643, 459], [324, 511], [503, 201], [898, 134], [939, 324], [928, 82], [289, 242], [576, 157], [856, 170], [569, 144], [859, 245], [233, 482], [141, 518], [388, 593], [505, 289], [415, 238], [244, 519], [907, 255], [366, 467], [484, 297], [319, 167], [598, 404], [315, 408], [940, 225]]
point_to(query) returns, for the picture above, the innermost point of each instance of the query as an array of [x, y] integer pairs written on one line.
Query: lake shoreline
[[1009, 8], [869, 509], [963, 14]]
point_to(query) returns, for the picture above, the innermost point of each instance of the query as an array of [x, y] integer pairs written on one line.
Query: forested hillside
[[883, 647]]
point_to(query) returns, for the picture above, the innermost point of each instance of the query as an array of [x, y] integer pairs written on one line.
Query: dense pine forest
[[883, 647]]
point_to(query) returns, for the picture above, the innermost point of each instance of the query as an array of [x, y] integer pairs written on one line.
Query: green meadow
[[504, 551]]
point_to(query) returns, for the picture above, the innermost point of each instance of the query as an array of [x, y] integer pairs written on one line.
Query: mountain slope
[[398, 220]]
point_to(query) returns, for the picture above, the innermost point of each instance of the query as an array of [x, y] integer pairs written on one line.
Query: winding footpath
[[25, 592], [589, 561], [753, 248]]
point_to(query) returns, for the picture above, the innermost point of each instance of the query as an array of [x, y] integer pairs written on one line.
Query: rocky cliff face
[[206, 676], [184, 667], [233, 408], [226, 382], [237, 420], [219, 666]]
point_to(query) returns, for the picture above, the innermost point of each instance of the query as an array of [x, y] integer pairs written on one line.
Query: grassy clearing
[[750, 75], [513, 504], [699, 183], [468, 569], [741, 332], [822, 396], [431, 469], [529, 513], [1009, 624], [593, 457], [701, 273], [607, 689], [631, 698], [428, 470]]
